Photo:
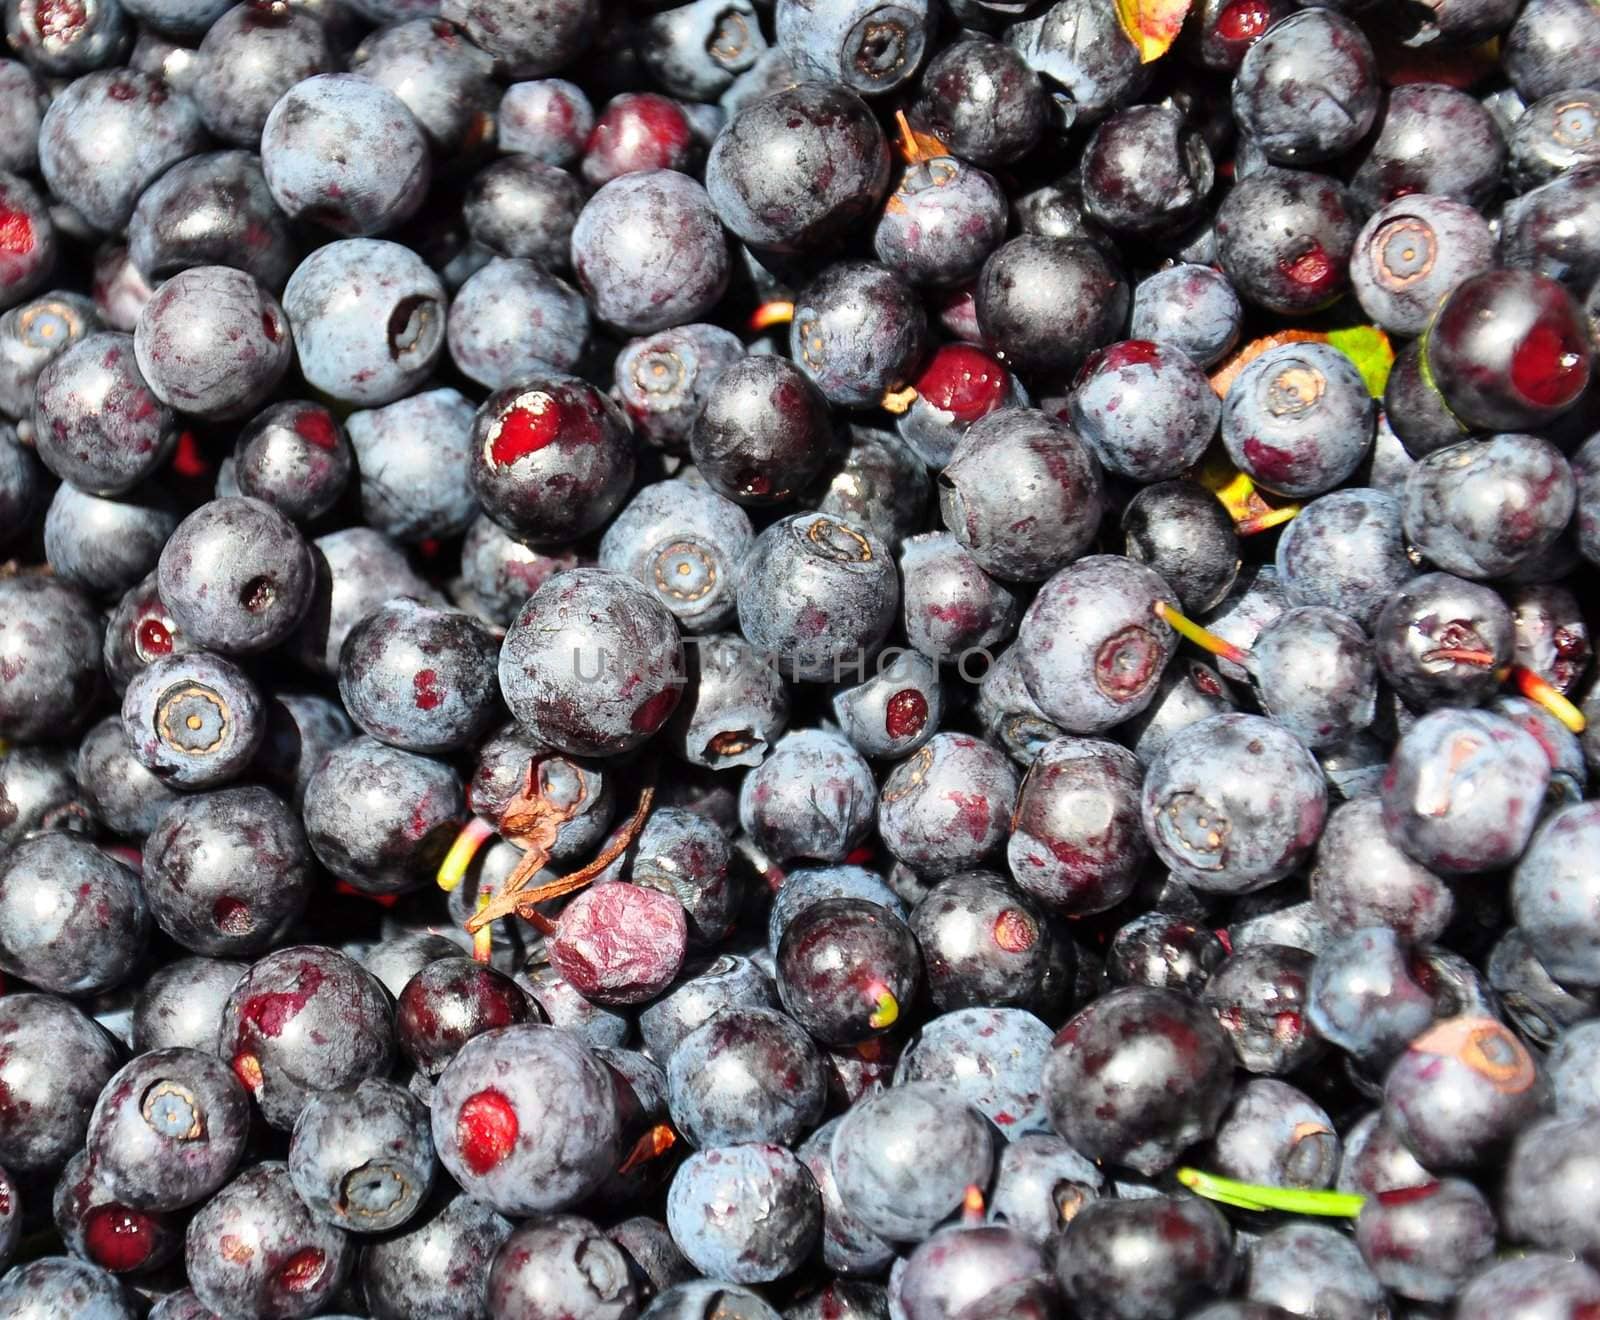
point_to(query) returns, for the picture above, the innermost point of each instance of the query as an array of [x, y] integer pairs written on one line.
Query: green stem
[[1258, 1196]]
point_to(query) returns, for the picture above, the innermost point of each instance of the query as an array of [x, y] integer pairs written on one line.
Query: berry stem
[[657, 1141], [474, 834], [777, 311], [1204, 638], [1259, 1196], [887, 1010], [1542, 693]]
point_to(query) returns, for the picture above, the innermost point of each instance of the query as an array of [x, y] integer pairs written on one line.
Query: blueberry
[[734, 707], [1090, 647], [947, 807], [1463, 791], [620, 944], [381, 818], [305, 1019], [227, 872], [1325, 52], [416, 1272], [896, 710], [249, 58], [746, 1074], [38, 792], [296, 457], [1284, 238], [182, 331], [1440, 639], [1425, 1243], [749, 1213], [1376, 1161], [1182, 532], [1046, 303], [548, 119], [444, 80], [1549, 899], [362, 1158], [858, 332], [1362, 879], [1411, 253], [522, 207], [984, 943], [763, 433], [1081, 45], [1547, 1200], [525, 1119], [53, 1064], [1316, 675], [168, 1130], [125, 797], [993, 1057], [409, 490], [1259, 999], [1145, 171], [1015, 461], [1367, 996], [1183, 1248], [983, 101], [527, 38], [943, 218], [418, 678], [34, 334], [106, 545], [664, 379], [72, 920], [96, 421], [1299, 419], [511, 320], [649, 252], [1309, 1269], [1192, 308], [693, 50], [59, 1286], [1145, 409], [180, 1005], [373, 347], [294, 1265], [798, 189], [949, 605], [1346, 551], [237, 576], [686, 856], [1432, 140], [561, 1266], [882, 1180], [107, 136]]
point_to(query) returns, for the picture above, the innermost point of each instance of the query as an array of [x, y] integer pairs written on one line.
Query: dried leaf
[[1152, 25], [1223, 377]]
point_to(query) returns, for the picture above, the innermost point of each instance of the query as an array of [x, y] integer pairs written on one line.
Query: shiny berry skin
[[450, 1001], [1284, 238], [664, 379], [1275, 1134], [67, 1287], [107, 136], [1411, 253], [812, 797], [764, 432], [255, 1248], [305, 1019], [249, 58], [97, 1227], [381, 818], [649, 253], [1090, 648], [984, 943], [1361, 879], [750, 1213], [1305, 1265], [592, 664], [1426, 1242], [418, 678], [1552, 638], [1045, 304], [638, 131], [878, 482], [846, 968], [818, 595], [1368, 995], [775, 196], [411, 491], [1346, 551], [1464, 790], [1434, 140], [1550, 895], [1258, 997], [1316, 675], [1547, 230], [212, 343], [1163, 951], [1552, 46], [1308, 89], [417, 1270], [882, 1180], [1145, 171], [1233, 803], [180, 1005], [169, 1129], [106, 545], [1375, 1160], [1508, 350], [237, 576], [1183, 1248], [1193, 308], [1441, 639], [561, 1265], [858, 332], [1229, 28], [227, 872], [1138, 1076], [96, 421], [362, 1158], [374, 348], [344, 153], [1183, 533], [1299, 419], [527, 39], [512, 319], [521, 207], [949, 605], [551, 457], [983, 101], [1547, 1200], [747, 1074], [1145, 409], [294, 456], [445, 81], [49, 634], [943, 218], [947, 807], [55, 1061], [684, 542], [1022, 493], [698, 50]]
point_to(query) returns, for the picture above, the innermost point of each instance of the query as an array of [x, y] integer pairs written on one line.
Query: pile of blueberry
[[799, 660]]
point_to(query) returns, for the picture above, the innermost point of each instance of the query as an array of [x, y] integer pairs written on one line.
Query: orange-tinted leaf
[[1152, 25], [1223, 376]]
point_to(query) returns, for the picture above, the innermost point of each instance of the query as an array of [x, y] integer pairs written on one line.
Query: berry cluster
[[799, 659]]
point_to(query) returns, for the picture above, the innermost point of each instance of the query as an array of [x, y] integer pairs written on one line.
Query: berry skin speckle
[[486, 1130], [426, 687]]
